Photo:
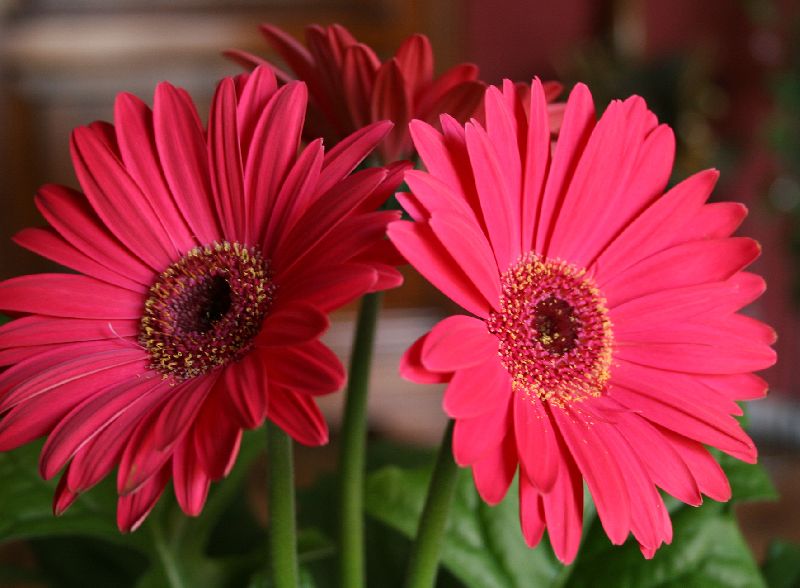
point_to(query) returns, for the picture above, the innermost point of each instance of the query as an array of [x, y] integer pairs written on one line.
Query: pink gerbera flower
[[604, 343], [208, 261], [350, 87]]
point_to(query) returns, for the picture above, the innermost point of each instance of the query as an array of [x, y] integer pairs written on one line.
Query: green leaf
[[483, 546], [781, 568], [707, 551], [26, 503], [749, 481]]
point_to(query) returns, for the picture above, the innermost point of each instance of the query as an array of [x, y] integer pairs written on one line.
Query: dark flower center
[[556, 325], [555, 335], [205, 310]]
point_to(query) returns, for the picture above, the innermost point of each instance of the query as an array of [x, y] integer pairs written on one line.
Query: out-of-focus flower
[[350, 87], [207, 263], [604, 343]]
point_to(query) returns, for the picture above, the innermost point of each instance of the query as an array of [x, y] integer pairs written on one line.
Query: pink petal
[[663, 463], [70, 214], [536, 442], [63, 497], [696, 262], [295, 194], [433, 196], [358, 78], [708, 474], [324, 216], [415, 59], [411, 367], [696, 422], [599, 200], [494, 472], [719, 298], [472, 252], [563, 511], [108, 184], [352, 236], [474, 438], [536, 164], [349, 152], [104, 363], [274, 147], [647, 508], [132, 509], [575, 131], [310, 368], [134, 129], [41, 330], [531, 512], [226, 170], [332, 287], [497, 203], [458, 342], [183, 154], [153, 442], [446, 159], [427, 104], [246, 384], [712, 356], [189, 478], [715, 221], [217, 436], [293, 323], [48, 243], [736, 386], [69, 296], [476, 390], [391, 100], [98, 457], [660, 225], [256, 92], [602, 473], [418, 244], [298, 415], [88, 419]]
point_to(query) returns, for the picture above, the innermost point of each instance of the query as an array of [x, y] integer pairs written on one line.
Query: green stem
[[424, 561], [283, 536], [353, 448], [165, 556]]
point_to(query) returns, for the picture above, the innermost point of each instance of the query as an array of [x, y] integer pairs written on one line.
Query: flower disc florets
[[554, 331], [204, 310]]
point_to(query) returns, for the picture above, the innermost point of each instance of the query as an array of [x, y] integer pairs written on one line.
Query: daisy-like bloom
[[604, 343], [350, 87], [207, 262]]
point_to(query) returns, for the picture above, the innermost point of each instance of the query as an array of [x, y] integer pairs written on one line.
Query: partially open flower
[[603, 342], [207, 262], [350, 87]]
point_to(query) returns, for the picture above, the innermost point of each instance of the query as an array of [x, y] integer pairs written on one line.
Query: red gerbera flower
[[207, 263], [350, 87], [605, 344]]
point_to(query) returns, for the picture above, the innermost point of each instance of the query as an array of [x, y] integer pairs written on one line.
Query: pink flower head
[[603, 342], [207, 263], [350, 87]]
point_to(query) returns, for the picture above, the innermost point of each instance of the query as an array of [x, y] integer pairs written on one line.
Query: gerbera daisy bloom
[[207, 263], [603, 342], [350, 87]]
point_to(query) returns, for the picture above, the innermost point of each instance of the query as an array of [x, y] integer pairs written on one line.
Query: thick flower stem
[[424, 561], [169, 563], [283, 536], [352, 458]]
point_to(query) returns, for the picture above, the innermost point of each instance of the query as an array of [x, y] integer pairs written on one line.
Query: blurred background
[[724, 73]]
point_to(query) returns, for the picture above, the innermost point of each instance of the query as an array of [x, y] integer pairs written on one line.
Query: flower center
[[555, 335], [204, 310]]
